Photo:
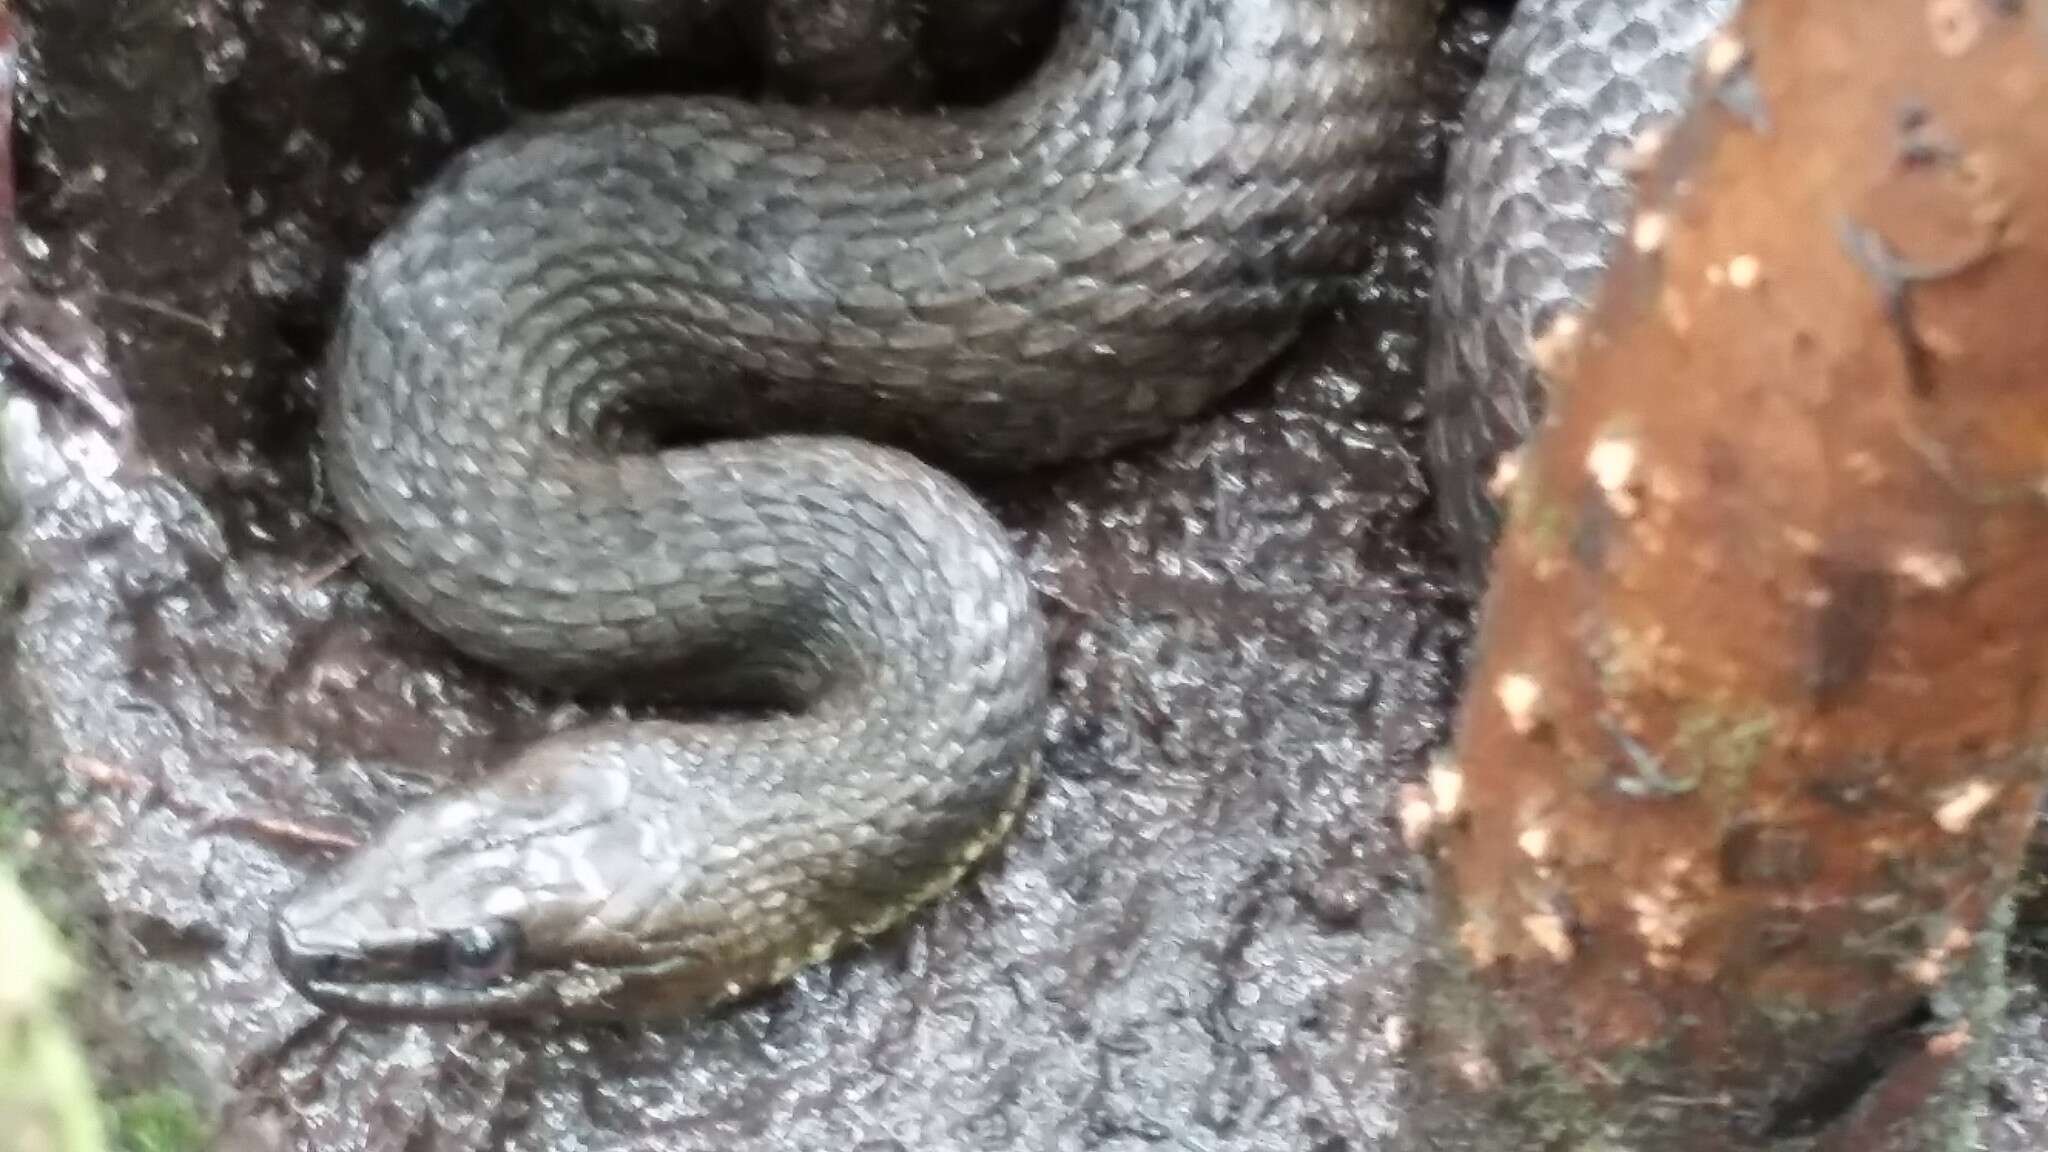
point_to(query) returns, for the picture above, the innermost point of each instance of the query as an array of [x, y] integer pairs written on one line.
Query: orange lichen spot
[[1521, 699], [1661, 924], [1417, 816], [1505, 473], [1642, 153], [1725, 53], [1949, 1042], [1549, 350], [1612, 463], [1446, 788], [1933, 571], [1961, 807], [1549, 932], [1650, 231], [1476, 937]]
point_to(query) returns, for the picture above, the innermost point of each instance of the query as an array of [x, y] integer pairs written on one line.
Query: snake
[[685, 394], [682, 393]]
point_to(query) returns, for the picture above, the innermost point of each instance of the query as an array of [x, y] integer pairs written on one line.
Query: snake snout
[[306, 960]]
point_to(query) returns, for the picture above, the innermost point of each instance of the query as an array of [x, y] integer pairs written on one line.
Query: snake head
[[554, 888]]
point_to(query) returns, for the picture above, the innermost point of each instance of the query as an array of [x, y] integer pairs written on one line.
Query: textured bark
[[1753, 740]]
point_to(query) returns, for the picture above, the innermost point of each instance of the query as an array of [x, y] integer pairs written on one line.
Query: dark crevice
[[1839, 1089]]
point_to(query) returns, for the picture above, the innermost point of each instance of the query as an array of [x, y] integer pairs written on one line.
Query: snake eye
[[482, 953]]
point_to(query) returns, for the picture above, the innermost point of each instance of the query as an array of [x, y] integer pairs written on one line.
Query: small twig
[[1063, 602], [1674, 1100], [289, 832], [1650, 777], [173, 185], [102, 776], [160, 308], [99, 774], [59, 372], [313, 578]]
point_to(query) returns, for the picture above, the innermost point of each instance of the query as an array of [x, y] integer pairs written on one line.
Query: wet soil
[[1198, 937]]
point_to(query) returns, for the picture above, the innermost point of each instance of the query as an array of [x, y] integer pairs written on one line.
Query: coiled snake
[[840, 296]]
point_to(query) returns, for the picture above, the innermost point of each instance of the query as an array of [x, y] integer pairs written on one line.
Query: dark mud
[[1198, 938]]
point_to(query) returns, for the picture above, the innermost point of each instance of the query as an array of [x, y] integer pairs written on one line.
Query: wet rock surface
[[1197, 938]]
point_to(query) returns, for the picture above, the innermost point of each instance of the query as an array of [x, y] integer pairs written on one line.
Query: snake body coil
[[1536, 195], [1083, 264]]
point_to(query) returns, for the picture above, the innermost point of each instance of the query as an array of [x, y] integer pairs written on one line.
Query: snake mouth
[[394, 1000], [396, 979]]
